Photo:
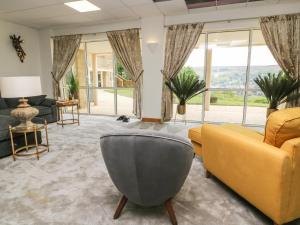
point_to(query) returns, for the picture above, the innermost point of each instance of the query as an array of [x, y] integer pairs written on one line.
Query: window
[[195, 63], [229, 61], [262, 62], [105, 88]]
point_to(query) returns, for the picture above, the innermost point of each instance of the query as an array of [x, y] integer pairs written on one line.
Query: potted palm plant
[[73, 85], [185, 86], [278, 88]]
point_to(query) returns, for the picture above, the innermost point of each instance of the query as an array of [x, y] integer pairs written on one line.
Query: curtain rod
[[218, 21], [96, 32]]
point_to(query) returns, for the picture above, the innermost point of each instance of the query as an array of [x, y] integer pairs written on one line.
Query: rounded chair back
[[147, 167]]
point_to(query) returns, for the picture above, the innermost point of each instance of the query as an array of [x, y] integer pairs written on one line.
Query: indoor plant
[[278, 88], [185, 86], [73, 85]]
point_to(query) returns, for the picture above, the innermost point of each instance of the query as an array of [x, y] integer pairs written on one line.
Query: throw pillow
[[2, 104], [36, 100], [282, 125], [12, 102]]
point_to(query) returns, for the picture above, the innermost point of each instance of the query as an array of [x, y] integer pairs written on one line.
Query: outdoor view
[[232, 97], [107, 88], [226, 70]]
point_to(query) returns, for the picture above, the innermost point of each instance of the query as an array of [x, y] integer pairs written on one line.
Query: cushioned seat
[[195, 135], [264, 169], [43, 110], [5, 121], [148, 168], [5, 112]]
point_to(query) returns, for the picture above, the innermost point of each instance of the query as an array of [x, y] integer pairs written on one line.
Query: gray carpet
[[70, 185]]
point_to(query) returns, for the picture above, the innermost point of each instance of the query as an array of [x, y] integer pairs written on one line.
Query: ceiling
[[53, 13]]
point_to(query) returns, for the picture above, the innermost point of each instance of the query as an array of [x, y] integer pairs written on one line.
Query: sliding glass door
[[105, 88], [229, 61]]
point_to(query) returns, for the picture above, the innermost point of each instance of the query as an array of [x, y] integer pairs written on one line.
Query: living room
[[149, 111]]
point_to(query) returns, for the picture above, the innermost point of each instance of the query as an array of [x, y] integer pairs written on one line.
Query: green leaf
[[278, 88], [186, 85]]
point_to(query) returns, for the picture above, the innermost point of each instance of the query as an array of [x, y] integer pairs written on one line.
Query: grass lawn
[[229, 98]]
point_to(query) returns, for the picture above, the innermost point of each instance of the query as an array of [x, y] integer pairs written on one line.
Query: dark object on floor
[[121, 117], [47, 111], [126, 119], [148, 167]]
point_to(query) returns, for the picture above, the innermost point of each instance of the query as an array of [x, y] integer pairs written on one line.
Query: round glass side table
[[34, 149]]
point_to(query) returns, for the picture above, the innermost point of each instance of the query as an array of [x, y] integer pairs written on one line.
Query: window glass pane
[[224, 106], [262, 62], [122, 78], [78, 70], [103, 102], [125, 101], [100, 65], [257, 108], [194, 65], [227, 59]]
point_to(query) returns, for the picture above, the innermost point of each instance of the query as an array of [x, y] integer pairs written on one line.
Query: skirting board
[[151, 120]]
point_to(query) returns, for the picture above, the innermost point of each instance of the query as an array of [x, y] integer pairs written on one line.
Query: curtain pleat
[[180, 42], [126, 46], [282, 36], [64, 52]]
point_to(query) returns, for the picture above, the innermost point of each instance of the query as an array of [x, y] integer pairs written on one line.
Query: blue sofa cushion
[[36, 100], [5, 121], [43, 110], [12, 102], [5, 112]]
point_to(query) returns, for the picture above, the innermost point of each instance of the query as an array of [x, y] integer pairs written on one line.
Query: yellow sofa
[[267, 176]]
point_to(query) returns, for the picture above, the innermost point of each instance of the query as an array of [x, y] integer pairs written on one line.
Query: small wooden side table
[[39, 148], [61, 105]]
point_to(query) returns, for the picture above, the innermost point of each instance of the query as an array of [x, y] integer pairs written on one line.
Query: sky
[[234, 56]]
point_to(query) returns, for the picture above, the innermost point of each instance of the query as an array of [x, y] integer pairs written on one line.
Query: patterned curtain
[[64, 51], [126, 46], [282, 35], [180, 42]]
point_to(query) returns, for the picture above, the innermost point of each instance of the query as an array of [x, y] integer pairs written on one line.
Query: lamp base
[[25, 113]]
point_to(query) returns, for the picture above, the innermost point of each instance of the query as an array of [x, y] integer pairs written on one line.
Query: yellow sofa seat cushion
[[282, 125], [195, 133]]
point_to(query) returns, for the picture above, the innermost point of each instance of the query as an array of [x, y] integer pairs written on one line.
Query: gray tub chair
[[147, 167]]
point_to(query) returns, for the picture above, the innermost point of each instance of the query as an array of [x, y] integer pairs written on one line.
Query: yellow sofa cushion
[[195, 134], [282, 125]]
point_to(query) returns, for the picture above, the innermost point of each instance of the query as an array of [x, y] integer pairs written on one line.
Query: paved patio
[[216, 113]]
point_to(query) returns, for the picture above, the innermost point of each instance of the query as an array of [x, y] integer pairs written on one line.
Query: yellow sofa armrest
[[257, 171]]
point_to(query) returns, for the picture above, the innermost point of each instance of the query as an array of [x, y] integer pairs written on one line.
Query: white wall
[[46, 61], [153, 59], [10, 64]]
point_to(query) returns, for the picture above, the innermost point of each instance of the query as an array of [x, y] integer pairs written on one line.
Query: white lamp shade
[[17, 87]]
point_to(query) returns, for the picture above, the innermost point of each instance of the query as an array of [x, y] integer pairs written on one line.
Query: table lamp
[[21, 87]]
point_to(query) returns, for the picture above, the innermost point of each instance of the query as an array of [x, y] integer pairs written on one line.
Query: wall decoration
[[16, 41]]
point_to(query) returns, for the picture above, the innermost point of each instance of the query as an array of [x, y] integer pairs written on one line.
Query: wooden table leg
[[121, 205], [170, 210], [46, 131], [26, 142], [36, 144], [78, 114], [12, 144], [62, 117]]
